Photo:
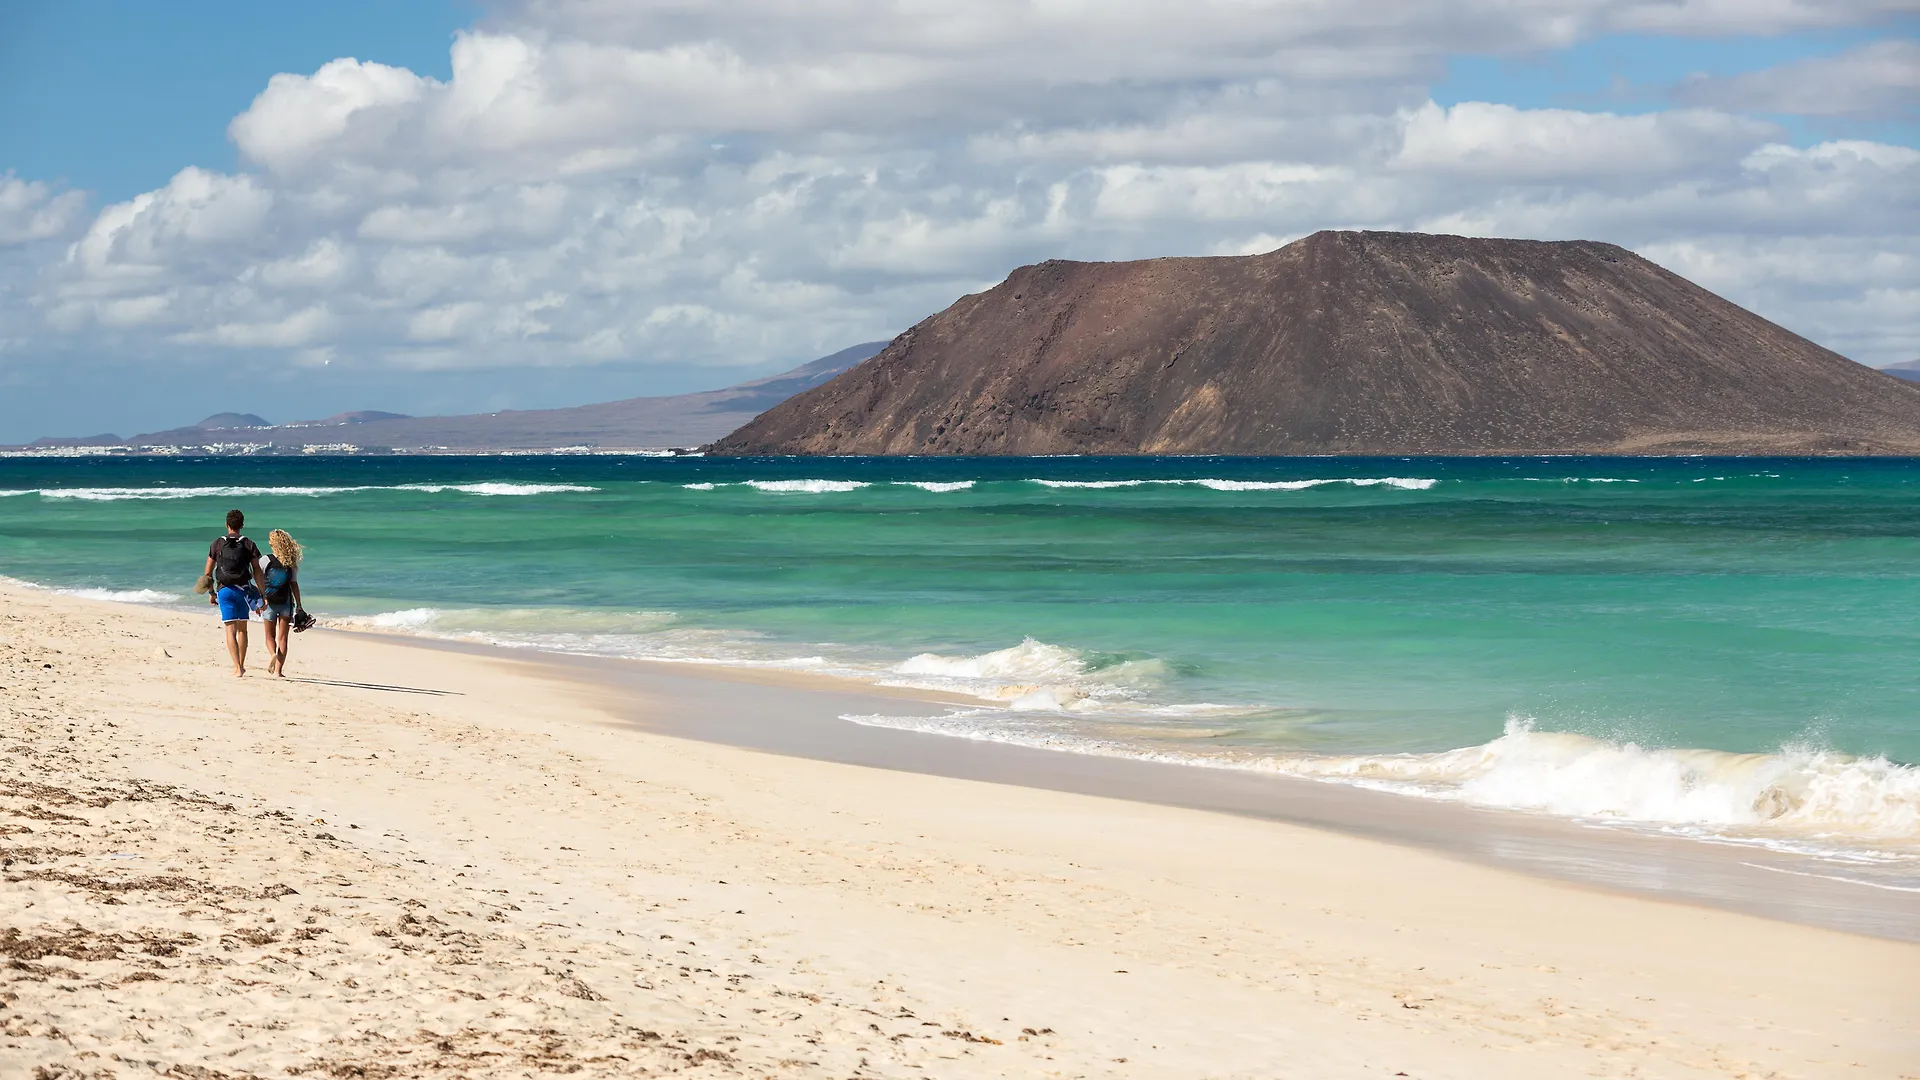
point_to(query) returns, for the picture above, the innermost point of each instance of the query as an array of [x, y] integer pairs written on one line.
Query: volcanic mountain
[[1349, 343]]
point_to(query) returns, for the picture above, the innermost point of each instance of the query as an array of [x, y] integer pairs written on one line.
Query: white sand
[[507, 883]]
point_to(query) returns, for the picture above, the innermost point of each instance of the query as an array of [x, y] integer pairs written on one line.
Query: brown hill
[[1349, 342]]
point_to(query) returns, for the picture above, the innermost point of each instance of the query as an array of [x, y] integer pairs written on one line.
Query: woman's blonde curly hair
[[284, 547]]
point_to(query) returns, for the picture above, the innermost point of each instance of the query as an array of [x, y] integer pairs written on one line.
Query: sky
[[439, 206]]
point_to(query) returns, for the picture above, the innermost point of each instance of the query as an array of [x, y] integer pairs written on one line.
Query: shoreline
[[419, 862], [1750, 879]]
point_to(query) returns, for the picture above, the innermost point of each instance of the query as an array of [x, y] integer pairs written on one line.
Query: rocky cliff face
[[1349, 342]]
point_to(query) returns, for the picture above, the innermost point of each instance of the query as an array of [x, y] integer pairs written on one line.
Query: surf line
[[1833, 877]]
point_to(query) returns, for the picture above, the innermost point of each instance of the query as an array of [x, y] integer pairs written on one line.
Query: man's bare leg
[[237, 646]]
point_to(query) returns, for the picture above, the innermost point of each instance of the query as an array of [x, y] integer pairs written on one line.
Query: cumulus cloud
[[1880, 80], [30, 210], [1561, 144], [623, 182]]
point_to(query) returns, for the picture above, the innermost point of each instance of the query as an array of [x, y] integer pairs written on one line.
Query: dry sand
[[208, 877]]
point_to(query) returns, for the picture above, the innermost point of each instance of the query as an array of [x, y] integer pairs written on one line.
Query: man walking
[[233, 562]]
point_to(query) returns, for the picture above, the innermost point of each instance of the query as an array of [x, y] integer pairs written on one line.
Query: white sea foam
[[499, 488], [1095, 484], [120, 494], [1262, 485], [123, 596], [405, 619], [240, 491], [1799, 799], [698, 487], [1805, 789], [1578, 480], [116, 596], [1406, 483], [936, 485], [1032, 676], [632, 635], [1026, 661], [1403, 482], [805, 487], [516, 624]]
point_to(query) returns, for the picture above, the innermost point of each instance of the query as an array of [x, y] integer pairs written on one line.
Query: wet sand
[[801, 715], [428, 862]]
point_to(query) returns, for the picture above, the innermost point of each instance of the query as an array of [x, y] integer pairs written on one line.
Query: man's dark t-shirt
[[233, 560]]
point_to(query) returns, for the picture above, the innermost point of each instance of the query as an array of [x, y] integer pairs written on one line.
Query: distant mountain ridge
[[642, 423], [1908, 370], [232, 420], [1349, 343]]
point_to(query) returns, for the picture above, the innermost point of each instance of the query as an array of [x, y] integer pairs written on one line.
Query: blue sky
[[456, 206], [116, 97], [1637, 73]]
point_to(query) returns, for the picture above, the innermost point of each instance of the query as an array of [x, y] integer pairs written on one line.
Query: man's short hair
[[235, 519]]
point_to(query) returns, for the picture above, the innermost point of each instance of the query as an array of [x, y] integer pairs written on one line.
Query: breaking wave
[[501, 488], [1033, 676], [1403, 482], [115, 596], [110, 494], [634, 635], [1795, 792], [1802, 788], [805, 487], [936, 485], [123, 596]]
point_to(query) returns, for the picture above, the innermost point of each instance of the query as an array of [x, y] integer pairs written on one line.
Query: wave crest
[[1577, 776], [497, 488], [1033, 676], [1406, 483], [938, 486], [112, 494], [805, 487], [123, 596]]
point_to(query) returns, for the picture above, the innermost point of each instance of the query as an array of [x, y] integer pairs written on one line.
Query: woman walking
[[281, 586]]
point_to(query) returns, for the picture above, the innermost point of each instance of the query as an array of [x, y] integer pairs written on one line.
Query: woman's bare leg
[[284, 629]]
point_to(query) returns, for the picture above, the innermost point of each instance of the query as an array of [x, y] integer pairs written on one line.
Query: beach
[[433, 862]]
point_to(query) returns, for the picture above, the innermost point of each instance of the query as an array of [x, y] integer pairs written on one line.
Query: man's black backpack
[[232, 561]]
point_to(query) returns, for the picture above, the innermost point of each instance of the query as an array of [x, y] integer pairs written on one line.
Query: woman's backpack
[[279, 579]]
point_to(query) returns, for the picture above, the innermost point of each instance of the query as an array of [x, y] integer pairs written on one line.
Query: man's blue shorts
[[236, 601]]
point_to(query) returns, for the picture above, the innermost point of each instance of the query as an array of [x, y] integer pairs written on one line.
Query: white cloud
[[1561, 144], [299, 118], [683, 182], [1875, 81], [31, 210], [292, 331]]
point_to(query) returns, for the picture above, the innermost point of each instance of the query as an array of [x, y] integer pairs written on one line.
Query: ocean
[[1725, 649]]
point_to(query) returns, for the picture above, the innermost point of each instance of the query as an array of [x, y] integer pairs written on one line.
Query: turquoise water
[[1727, 646]]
